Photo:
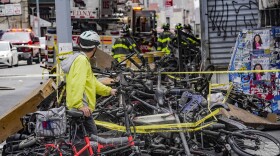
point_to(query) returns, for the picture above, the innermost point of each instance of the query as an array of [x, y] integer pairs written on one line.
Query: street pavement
[[22, 86]]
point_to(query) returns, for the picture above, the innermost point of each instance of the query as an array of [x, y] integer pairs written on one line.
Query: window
[[168, 20], [16, 36], [4, 46]]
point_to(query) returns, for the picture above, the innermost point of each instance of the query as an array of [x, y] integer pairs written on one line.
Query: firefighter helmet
[[179, 26], [187, 26], [125, 29], [166, 26]]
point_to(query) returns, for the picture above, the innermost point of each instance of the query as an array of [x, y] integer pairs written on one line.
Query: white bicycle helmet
[[89, 39]]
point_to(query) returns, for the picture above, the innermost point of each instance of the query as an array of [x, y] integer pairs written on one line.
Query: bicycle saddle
[[75, 113]]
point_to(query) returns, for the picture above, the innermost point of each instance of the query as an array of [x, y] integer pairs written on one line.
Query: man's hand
[[113, 92], [86, 111]]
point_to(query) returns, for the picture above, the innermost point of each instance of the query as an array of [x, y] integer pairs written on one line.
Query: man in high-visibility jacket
[[124, 45], [81, 84], [164, 38]]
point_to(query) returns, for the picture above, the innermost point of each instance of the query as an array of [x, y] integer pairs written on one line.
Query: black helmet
[[187, 26], [178, 26], [89, 39], [166, 26], [125, 29]]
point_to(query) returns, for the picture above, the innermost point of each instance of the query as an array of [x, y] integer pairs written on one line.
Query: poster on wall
[[241, 61], [261, 82], [260, 62], [261, 41], [257, 50]]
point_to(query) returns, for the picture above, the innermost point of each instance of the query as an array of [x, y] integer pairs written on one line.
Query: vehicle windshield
[[16, 36], [4, 47]]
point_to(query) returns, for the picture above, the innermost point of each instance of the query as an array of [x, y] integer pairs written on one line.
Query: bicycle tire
[[201, 85], [242, 147]]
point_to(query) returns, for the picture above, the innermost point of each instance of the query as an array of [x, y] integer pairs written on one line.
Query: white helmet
[[89, 39]]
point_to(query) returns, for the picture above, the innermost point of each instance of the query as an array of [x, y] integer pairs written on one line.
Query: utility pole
[[38, 18], [63, 21], [63, 29], [33, 22]]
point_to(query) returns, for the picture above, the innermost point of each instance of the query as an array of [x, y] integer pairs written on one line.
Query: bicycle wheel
[[50, 151], [204, 83], [263, 144]]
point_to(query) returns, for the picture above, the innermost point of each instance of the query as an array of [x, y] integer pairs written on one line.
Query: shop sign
[[78, 13], [17, 9], [168, 3], [9, 8]]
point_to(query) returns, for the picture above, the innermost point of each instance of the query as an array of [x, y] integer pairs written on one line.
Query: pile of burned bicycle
[[152, 114]]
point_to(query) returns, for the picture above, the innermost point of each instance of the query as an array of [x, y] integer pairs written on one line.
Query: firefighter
[[187, 39], [124, 45], [164, 38], [190, 36], [188, 29], [178, 28]]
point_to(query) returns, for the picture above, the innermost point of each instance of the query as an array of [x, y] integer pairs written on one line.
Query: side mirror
[[14, 48], [36, 39]]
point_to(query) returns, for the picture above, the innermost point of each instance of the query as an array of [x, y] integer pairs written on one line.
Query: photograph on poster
[[260, 62], [260, 41]]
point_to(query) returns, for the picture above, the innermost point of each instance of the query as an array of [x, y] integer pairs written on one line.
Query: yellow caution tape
[[203, 72], [228, 92], [28, 46], [58, 70], [30, 75], [223, 72], [156, 128], [219, 85], [173, 77], [170, 73], [61, 95], [209, 100]]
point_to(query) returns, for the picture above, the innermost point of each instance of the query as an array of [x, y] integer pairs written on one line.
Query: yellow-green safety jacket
[[81, 85]]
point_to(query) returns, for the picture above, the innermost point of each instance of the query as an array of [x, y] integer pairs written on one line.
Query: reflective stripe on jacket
[[166, 50], [121, 46], [163, 39]]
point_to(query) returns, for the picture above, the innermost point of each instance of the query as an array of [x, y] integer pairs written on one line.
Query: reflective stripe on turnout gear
[[132, 46], [119, 46], [164, 40], [166, 50]]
